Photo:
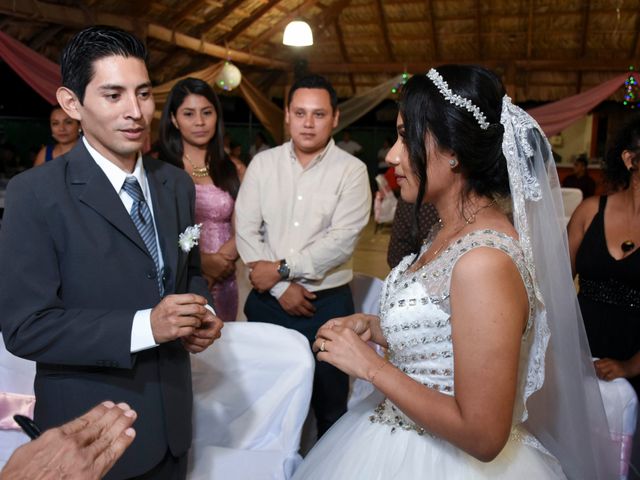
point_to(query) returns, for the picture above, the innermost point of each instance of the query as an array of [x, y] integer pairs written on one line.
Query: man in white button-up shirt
[[299, 212]]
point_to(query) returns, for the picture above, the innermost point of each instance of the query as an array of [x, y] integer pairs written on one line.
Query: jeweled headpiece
[[456, 99]]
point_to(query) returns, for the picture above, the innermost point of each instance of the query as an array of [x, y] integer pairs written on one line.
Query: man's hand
[[177, 316], [217, 266], [84, 449], [295, 301], [264, 275], [203, 337], [610, 369]]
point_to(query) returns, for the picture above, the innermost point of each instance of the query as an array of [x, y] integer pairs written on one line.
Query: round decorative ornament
[[229, 77]]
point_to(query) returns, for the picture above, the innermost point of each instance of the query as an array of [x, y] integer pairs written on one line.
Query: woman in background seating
[[191, 137], [604, 235], [64, 130]]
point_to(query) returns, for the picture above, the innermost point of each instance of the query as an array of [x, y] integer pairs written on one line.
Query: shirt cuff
[[279, 288], [210, 308], [141, 333]]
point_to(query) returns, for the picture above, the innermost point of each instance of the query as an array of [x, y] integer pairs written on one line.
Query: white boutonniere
[[189, 238]]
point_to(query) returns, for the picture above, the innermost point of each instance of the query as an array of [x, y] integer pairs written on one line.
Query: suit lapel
[[166, 218], [90, 185]]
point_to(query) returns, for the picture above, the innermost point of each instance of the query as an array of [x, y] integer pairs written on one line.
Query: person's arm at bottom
[[84, 449]]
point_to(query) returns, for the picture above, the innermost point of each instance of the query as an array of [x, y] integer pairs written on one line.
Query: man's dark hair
[[583, 159], [315, 81], [91, 44]]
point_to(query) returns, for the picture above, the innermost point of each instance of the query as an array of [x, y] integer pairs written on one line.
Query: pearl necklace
[[198, 172]]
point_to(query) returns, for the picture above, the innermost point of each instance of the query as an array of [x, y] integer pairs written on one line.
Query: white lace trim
[[524, 186]]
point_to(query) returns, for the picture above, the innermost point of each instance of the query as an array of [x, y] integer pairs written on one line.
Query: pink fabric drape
[[556, 116], [39, 72]]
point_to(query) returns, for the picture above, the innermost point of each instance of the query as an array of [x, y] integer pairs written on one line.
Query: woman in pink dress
[[191, 133]]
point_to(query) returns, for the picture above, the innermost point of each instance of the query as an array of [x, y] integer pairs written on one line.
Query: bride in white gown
[[481, 380]]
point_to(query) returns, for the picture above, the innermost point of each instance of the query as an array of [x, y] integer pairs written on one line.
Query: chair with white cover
[[571, 198], [252, 391], [621, 406], [384, 203], [16, 397], [366, 292]]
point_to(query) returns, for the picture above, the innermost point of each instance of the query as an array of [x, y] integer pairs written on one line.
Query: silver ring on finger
[[322, 346]]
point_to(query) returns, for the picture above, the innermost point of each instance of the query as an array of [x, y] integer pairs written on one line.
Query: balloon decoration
[[229, 77]]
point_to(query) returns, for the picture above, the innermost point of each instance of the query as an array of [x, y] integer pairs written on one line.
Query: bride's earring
[[453, 162]]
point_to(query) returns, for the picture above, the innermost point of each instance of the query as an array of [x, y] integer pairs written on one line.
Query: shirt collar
[[319, 157], [115, 174]]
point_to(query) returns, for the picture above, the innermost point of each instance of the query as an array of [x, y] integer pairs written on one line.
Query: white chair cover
[[571, 198], [621, 406], [366, 299], [16, 380], [252, 391], [384, 203]]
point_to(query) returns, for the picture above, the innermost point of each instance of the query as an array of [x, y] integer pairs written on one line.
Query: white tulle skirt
[[355, 448]]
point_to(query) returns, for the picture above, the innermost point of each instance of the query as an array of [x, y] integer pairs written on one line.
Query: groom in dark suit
[[94, 286]]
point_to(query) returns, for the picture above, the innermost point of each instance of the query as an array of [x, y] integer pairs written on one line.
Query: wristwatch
[[283, 270]]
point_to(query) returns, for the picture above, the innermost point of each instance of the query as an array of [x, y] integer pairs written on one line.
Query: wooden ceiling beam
[[583, 39], [244, 24], [635, 52], [279, 26], [478, 21], [75, 17], [45, 36], [141, 7], [208, 48], [434, 37], [385, 31], [530, 30], [187, 9], [218, 17], [328, 16], [521, 65], [344, 53]]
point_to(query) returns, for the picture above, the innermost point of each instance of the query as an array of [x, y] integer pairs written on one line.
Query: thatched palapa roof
[[544, 49]]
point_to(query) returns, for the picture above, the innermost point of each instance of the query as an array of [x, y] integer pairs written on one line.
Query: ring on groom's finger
[[322, 346]]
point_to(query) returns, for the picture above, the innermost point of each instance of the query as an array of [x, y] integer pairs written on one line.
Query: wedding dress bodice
[[416, 321]]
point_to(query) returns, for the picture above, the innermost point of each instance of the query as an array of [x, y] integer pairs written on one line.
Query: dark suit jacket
[[74, 271]]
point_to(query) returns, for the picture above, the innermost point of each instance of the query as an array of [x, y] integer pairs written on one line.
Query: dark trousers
[[169, 468], [330, 385]]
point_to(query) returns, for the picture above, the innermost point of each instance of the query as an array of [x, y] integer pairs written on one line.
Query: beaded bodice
[[415, 319]]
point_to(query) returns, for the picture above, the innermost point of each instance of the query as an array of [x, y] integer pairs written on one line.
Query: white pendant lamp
[[298, 34]]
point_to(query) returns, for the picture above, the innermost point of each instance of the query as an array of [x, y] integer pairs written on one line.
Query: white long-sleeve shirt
[[311, 217]]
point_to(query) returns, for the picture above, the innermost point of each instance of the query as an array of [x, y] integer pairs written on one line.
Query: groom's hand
[[203, 337], [177, 316]]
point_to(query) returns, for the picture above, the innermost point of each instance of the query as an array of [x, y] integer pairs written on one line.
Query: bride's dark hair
[[424, 110]]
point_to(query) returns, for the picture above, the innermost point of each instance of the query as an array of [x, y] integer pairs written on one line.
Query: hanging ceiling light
[[297, 34]]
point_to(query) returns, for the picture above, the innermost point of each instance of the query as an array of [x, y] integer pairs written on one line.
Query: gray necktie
[[141, 216]]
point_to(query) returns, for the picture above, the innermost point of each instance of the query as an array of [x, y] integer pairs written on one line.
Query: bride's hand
[[343, 348], [358, 322]]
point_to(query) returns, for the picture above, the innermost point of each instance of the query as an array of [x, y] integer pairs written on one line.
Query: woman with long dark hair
[[65, 132], [191, 137], [604, 236], [487, 374]]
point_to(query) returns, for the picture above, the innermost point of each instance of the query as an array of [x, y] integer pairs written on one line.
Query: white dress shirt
[[141, 333], [311, 217]]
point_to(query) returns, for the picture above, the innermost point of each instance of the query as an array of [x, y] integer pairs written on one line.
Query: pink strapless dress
[[214, 208]]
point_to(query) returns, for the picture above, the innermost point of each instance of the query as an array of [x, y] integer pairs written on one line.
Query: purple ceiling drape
[[39, 72]]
